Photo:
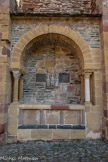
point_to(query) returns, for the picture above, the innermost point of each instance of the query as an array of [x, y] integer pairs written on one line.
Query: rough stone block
[[6, 36], [4, 99], [62, 134], [2, 128], [12, 130], [94, 118], [31, 117], [41, 134], [49, 63], [3, 118], [3, 108], [4, 10], [24, 134], [3, 139], [4, 59], [78, 134], [70, 117], [52, 117]]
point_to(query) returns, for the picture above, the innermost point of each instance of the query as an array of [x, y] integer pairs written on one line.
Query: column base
[[87, 103]]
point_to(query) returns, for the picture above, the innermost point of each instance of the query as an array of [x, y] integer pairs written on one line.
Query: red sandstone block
[[71, 88], [105, 28], [2, 128], [105, 10], [106, 87], [2, 138], [59, 107], [5, 51], [3, 108], [5, 3], [106, 113]]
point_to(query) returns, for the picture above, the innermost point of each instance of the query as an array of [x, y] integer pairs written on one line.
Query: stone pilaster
[[104, 46], [4, 67]]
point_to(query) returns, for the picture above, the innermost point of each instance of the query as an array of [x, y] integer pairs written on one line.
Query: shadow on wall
[[13, 6]]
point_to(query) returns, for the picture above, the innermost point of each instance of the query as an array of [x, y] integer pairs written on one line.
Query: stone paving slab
[[56, 151]]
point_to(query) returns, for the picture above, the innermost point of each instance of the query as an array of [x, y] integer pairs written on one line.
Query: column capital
[[16, 75], [87, 75], [83, 72]]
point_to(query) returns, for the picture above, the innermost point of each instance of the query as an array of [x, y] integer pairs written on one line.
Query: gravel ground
[[56, 151]]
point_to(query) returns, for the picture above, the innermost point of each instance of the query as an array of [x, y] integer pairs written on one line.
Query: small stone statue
[[48, 82], [57, 80], [52, 80]]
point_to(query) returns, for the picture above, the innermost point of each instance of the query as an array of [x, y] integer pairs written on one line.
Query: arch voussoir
[[45, 29]]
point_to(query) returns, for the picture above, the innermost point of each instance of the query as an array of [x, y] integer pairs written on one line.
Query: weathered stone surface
[[61, 134], [71, 117], [59, 107], [41, 134], [46, 88], [31, 117], [2, 128], [70, 7], [52, 117], [24, 134], [5, 3], [78, 134]]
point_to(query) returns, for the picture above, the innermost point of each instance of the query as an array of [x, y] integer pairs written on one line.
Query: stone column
[[87, 87], [21, 88], [82, 89], [16, 75]]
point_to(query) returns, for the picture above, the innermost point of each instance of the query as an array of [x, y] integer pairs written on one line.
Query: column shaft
[[15, 90], [87, 87], [21, 89], [16, 75]]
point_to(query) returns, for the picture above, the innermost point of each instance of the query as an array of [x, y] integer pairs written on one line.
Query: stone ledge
[[80, 127], [50, 107], [54, 14]]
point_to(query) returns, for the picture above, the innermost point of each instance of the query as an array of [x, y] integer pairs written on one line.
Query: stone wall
[[87, 28], [51, 61], [87, 32], [96, 6], [55, 6]]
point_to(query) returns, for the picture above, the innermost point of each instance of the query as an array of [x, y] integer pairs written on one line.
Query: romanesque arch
[[79, 42]]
